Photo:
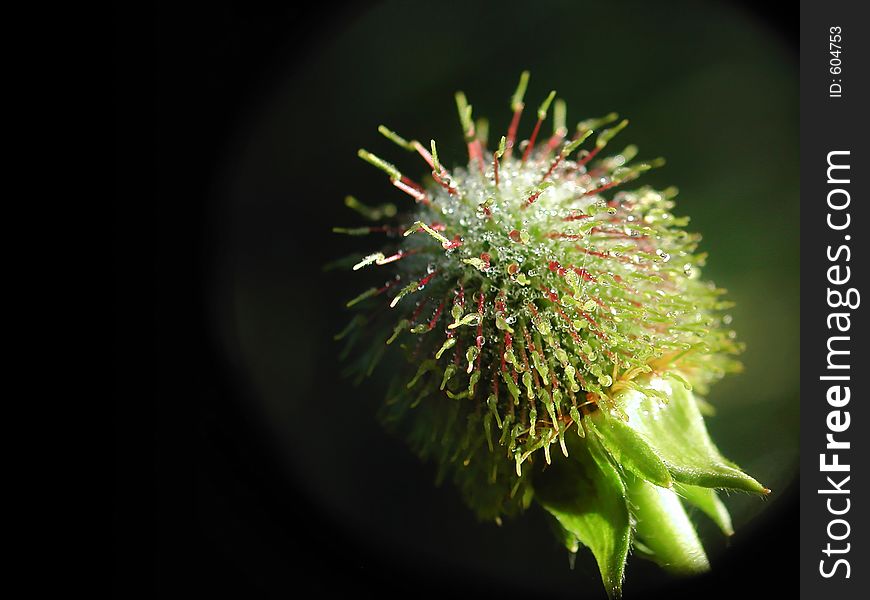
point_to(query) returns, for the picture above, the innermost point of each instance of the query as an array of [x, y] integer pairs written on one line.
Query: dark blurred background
[[270, 474]]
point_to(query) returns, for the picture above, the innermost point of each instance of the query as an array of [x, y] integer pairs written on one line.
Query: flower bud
[[542, 301]]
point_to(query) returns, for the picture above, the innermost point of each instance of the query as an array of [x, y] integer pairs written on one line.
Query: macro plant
[[558, 335]]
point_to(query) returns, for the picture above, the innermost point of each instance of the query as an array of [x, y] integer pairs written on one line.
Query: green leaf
[[708, 502], [663, 528], [586, 495], [677, 434], [630, 449]]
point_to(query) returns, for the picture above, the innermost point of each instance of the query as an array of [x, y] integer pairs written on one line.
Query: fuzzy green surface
[[581, 294], [538, 296]]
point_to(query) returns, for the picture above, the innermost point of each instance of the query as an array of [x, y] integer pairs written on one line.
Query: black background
[[201, 504]]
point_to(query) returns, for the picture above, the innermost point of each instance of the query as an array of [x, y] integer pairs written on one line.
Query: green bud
[[577, 302]]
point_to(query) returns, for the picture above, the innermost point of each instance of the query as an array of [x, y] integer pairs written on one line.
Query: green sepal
[[629, 448], [708, 502], [586, 495], [677, 434], [665, 533], [568, 539]]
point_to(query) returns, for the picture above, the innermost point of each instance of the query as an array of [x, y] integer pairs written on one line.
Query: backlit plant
[[557, 331]]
